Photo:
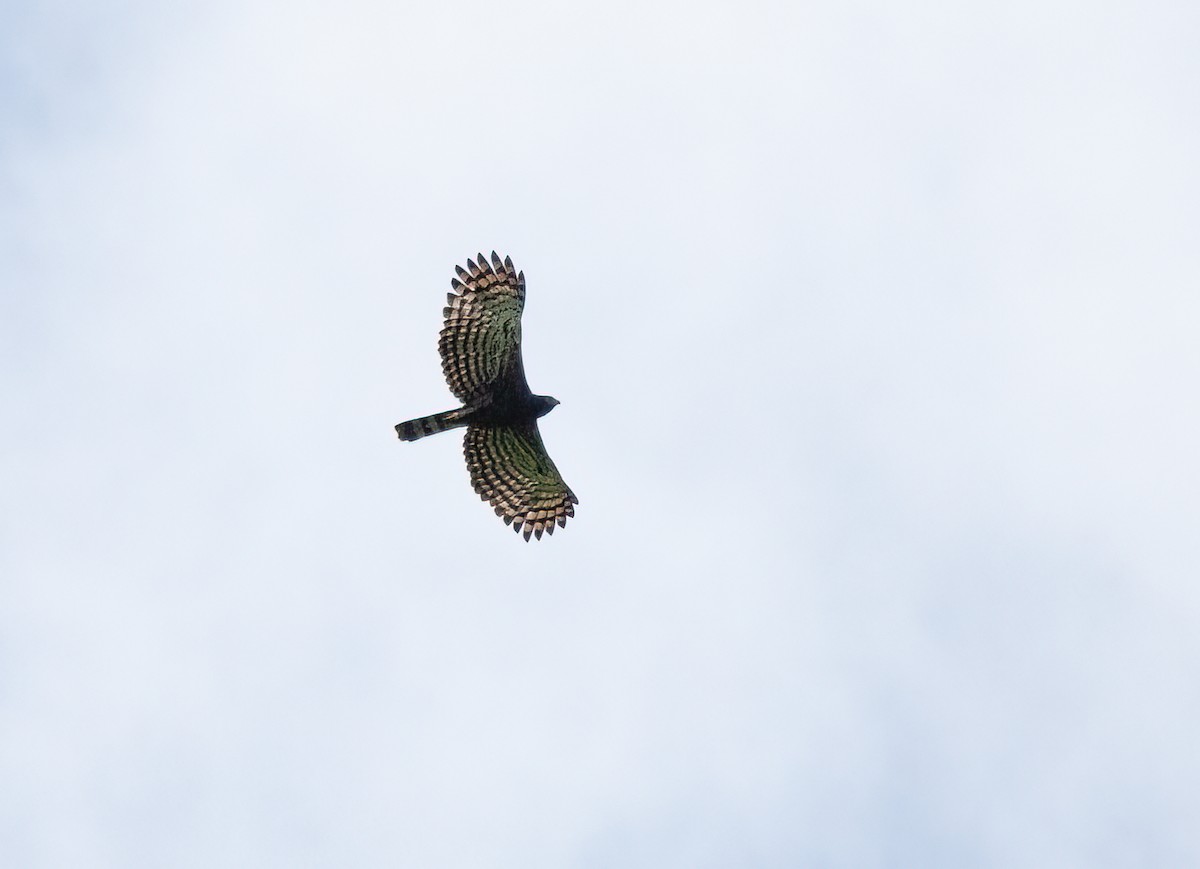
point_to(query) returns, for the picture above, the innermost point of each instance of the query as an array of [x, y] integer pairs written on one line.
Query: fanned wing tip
[[461, 272], [508, 263], [497, 264], [533, 523], [483, 263]]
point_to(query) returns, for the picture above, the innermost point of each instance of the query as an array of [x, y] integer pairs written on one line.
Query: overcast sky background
[[875, 328]]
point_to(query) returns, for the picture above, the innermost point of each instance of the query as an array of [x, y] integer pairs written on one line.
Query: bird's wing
[[480, 342], [511, 470]]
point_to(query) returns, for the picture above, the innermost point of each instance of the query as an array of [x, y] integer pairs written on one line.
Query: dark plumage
[[480, 345]]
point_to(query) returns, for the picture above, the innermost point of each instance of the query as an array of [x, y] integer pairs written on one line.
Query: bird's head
[[545, 404]]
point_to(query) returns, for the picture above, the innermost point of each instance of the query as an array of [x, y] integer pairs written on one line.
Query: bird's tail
[[415, 429]]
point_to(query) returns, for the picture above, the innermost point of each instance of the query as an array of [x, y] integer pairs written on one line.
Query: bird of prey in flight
[[480, 345]]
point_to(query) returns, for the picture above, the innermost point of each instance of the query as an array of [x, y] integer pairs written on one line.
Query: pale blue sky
[[875, 334]]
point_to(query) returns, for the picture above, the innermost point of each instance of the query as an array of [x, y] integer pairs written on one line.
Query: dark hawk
[[481, 357]]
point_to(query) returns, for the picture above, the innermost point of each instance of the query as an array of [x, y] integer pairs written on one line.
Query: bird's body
[[480, 345], [504, 411]]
